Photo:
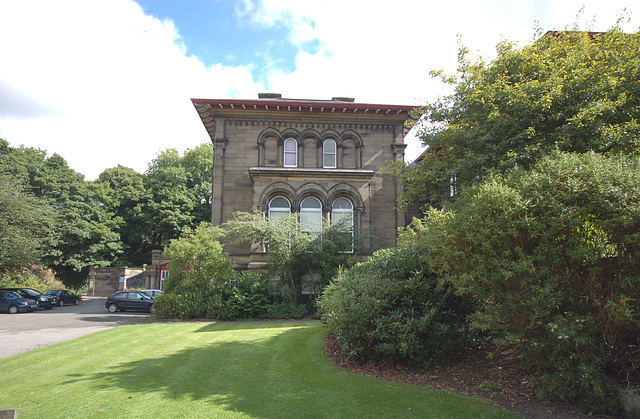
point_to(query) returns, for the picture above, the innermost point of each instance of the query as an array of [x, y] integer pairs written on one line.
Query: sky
[[108, 82]]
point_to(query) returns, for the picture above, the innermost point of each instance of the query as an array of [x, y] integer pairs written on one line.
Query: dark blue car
[[12, 303]]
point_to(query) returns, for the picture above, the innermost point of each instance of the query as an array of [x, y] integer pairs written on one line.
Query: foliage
[[571, 91], [24, 224], [392, 308], [298, 259], [166, 306], [286, 310], [121, 191], [82, 234], [246, 298], [180, 190], [199, 268], [553, 253], [36, 278]]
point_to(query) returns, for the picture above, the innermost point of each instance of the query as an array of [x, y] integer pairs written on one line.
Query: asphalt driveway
[[24, 332]]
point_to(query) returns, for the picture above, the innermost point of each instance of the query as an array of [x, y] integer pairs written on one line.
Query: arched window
[[329, 154], [279, 207], [342, 217], [311, 215], [290, 153]]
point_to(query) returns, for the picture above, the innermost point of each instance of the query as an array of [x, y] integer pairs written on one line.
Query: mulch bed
[[500, 379]]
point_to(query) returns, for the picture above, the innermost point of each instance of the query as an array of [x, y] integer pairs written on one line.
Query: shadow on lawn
[[254, 374]]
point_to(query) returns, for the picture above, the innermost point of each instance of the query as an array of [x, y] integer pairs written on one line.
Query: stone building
[[319, 158]]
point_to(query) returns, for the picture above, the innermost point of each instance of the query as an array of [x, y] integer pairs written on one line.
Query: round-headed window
[[279, 207], [311, 215]]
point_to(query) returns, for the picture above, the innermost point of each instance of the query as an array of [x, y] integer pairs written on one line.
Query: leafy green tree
[[180, 190], [198, 163], [568, 91], [83, 234], [553, 253], [25, 222], [123, 193], [296, 258], [199, 270]]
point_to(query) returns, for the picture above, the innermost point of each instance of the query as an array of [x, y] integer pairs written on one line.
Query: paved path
[[24, 332]]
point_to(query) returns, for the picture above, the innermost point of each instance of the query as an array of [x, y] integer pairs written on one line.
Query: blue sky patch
[[212, 32]]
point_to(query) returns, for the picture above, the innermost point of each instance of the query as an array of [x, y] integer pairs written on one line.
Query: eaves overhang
[[208, 108]]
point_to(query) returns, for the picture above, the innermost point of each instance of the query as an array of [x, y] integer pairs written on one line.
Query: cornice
[[258, 172], [320, 112], [281, 124]]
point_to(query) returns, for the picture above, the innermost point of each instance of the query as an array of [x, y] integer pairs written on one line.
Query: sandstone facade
[[297, 149]]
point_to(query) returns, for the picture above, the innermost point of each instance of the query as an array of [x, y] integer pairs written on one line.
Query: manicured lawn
[[201, 370]]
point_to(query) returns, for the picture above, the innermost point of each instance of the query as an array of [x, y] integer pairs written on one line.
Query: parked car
[[12, 303], [152, 293], [129, 300], [44, 301], [63, 297]]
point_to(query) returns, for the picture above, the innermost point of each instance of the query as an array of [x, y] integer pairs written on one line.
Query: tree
[[296, 258], [568, 91], [198, 165], [122, 192], [24, 224], [553, 254], [180, 190], [199, 270], [83, 233]]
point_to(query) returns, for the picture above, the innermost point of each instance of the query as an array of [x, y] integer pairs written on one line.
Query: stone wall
[[107, 280]]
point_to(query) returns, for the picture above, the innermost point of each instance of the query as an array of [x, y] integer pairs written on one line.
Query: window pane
[[311, 215], [342, 203], [279, 203], [290, 153], [279, 207], [311, 203], [329, 154]]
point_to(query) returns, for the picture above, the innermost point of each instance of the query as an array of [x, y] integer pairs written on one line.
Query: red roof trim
[[329, 106]]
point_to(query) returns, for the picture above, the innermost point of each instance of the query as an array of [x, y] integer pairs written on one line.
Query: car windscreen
[[11, 295], [32, 293]]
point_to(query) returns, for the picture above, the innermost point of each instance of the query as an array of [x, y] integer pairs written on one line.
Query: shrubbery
[[247, 296], [203, 284], [391, 308], [553, 253]]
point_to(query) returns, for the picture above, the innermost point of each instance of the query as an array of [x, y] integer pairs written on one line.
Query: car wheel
[[151, 309], [76, 302], [13, 309], [112, 308], [61, 303]]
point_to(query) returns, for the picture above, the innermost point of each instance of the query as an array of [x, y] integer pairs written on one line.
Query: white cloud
[[101, 83], [380, 51]]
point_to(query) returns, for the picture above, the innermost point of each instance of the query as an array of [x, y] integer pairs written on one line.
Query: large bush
[[199, 271], [553, 253], [391, 308]]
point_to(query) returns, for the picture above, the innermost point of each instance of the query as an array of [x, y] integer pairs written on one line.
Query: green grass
[[203, 370]]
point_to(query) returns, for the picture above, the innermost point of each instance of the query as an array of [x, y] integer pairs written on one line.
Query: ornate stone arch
[[290, 133], [311, 189], [267, 133], [353, 135], [276, 189], [348, 191], [310, 133], [310, 141], [350, 150], [268, 147]]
